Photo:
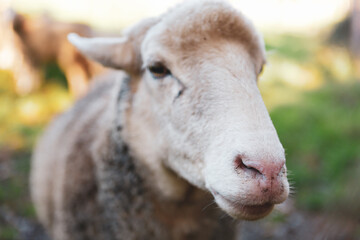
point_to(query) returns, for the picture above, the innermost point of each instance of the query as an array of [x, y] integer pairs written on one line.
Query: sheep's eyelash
[[154, 61]]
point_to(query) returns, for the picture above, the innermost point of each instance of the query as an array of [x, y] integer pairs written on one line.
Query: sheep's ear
[[111, 52], [121, 53]]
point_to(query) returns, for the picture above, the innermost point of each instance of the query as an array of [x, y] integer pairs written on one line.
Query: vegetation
[[314, 97], [23, 117], [321, 135]]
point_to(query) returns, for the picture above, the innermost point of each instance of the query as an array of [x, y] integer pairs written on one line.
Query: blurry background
[[311, 86]]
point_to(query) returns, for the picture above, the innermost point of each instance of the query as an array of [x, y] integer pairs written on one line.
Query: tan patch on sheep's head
[[186, 27]]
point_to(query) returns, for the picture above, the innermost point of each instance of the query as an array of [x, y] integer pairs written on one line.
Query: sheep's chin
[[241, 211]]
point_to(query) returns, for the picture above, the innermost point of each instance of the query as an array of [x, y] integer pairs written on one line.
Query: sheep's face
[[197, 110], [212, 122]]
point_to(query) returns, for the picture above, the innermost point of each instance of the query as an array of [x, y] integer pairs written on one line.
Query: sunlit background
[[310, 86], [303, 16]]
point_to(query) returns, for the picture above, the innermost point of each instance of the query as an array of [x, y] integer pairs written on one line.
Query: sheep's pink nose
[[266, 172]]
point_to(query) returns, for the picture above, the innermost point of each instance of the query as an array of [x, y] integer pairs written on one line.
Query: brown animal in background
[[44, 40], [146, 153], [13, 58]]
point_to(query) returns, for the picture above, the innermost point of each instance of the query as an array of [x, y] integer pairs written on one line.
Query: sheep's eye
[[158, 71]]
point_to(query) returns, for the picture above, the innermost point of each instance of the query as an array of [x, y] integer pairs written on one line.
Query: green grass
[[321, 135], [294, 48], [8, 233], [53, 73], [14, 190]]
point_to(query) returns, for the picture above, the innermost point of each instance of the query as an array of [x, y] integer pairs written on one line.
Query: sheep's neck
[[133, 207]]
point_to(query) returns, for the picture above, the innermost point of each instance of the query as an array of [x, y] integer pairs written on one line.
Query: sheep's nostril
[[254, 169], [239, 164], [260, 168]]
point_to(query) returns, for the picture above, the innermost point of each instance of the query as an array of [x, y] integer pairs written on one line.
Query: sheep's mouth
[[243, 211], [253, 212]]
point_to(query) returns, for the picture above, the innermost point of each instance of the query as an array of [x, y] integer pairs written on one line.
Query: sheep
[[178, 125], [37, 41]]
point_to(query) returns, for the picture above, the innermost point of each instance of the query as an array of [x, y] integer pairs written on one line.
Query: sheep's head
[[195, 107]]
